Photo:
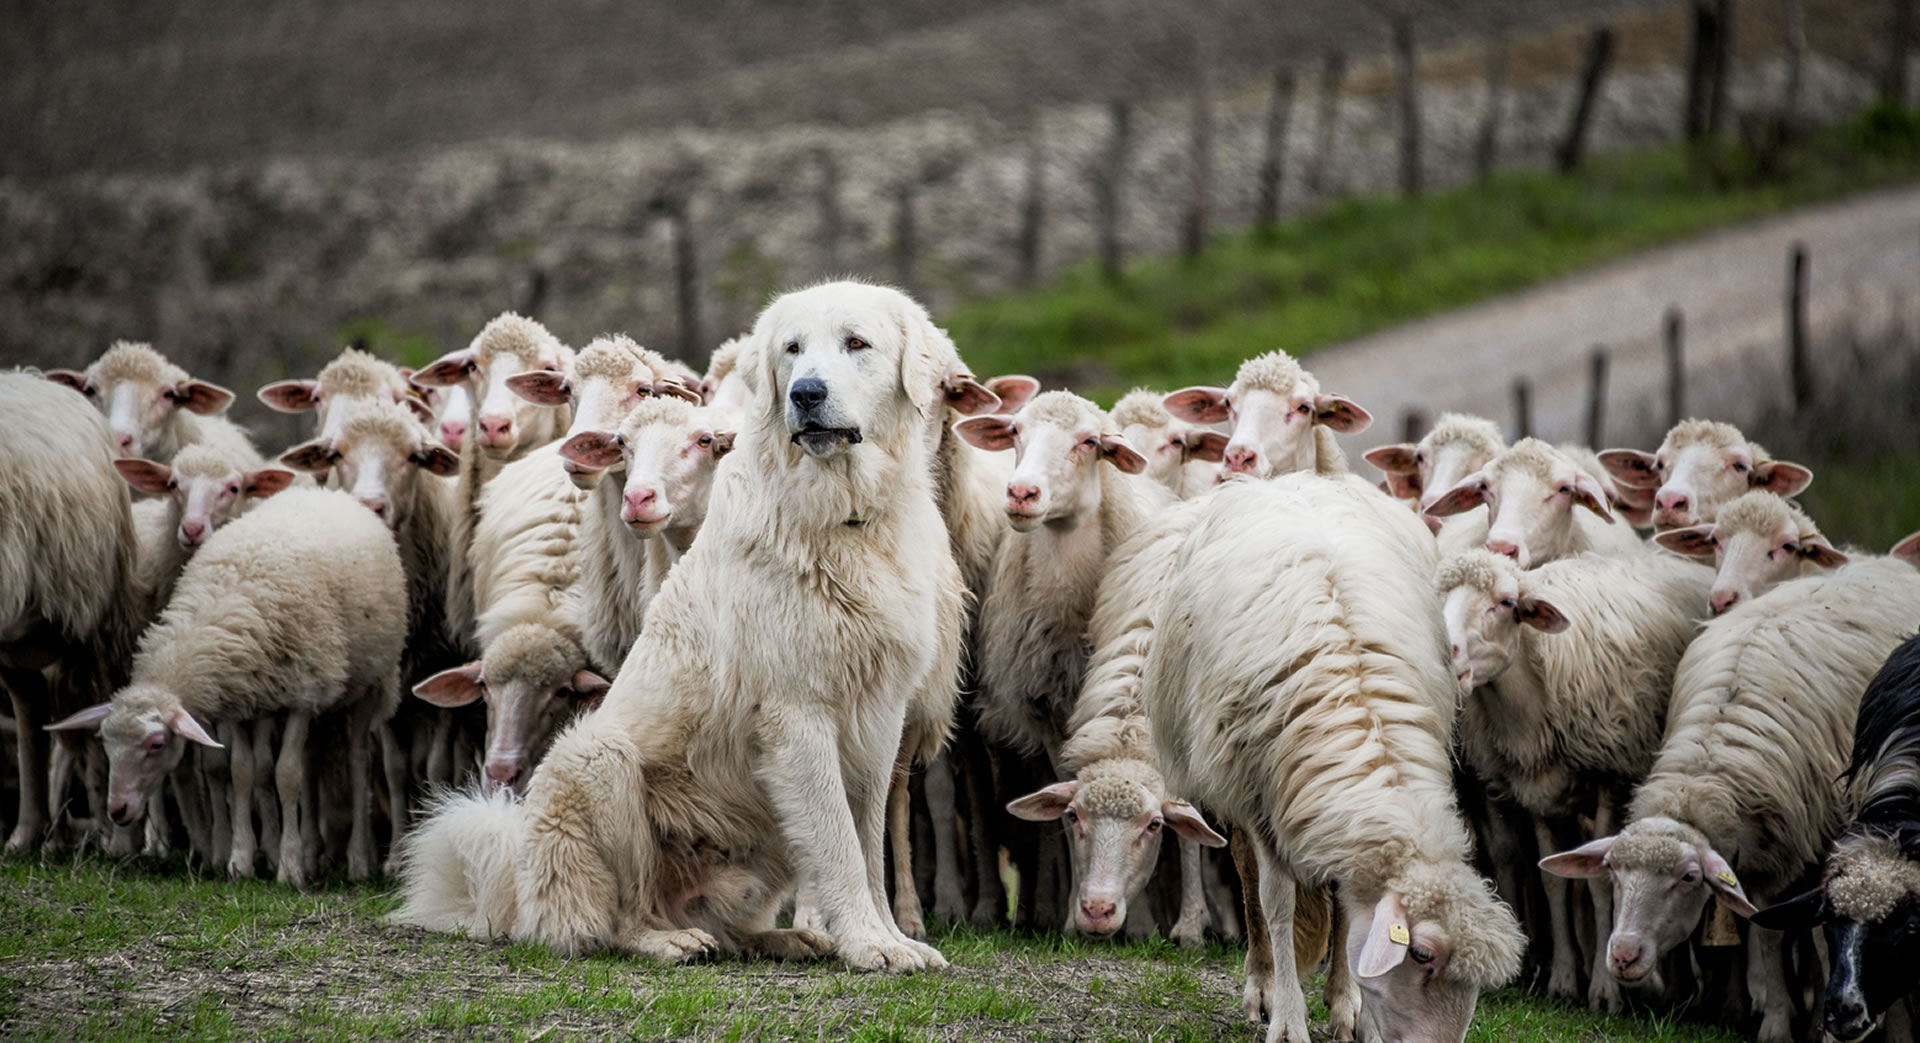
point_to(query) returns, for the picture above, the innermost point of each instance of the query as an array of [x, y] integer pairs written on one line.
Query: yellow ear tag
[[1398, 935], [1726, 877]]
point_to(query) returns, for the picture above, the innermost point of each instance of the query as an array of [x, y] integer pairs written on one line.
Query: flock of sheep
[[677, 643]]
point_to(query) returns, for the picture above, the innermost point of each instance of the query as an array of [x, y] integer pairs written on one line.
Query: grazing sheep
[[297, 607], [205, 488], [1423, 471], [1298, 685], [1183, 457], [1759, 727], [635, 532], [780, 659], [69, 590], [153, 407], [353, 375], [606, 380], [1281, 420], [1531, 490], [1700, 465], [1568, 668], [1756, 542], [1869, 898]]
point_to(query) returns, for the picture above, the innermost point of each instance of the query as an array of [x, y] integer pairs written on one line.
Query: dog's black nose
[[808, 392]]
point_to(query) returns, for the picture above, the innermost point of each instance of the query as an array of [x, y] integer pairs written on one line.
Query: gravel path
[[1864, 256]]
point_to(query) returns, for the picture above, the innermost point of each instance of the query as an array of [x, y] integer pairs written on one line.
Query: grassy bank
[[1365, 264], [90, 950]]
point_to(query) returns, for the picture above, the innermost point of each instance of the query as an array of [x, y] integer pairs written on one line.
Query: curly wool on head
[[196, 461], [1869, 876], [617, 358], [1457, 898], [511, 334], [356, 374], [380, 420], [1480, 569], [1142, 407], [1274, 371], [533, 652], [1064, 409], [1478, 434], [135, 361], [1762, 513], [1119, 788]]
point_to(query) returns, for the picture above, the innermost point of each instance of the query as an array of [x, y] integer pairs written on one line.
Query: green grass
[[90, 950], [1365, 264]]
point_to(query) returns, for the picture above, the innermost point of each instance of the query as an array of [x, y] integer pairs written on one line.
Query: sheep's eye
[[1090, 441], [1154, 826], [1691, 876], [1420, 954], [1566, 490], [706, 441], [173, 483], [232, 488], [643, 389], [856, 344], [1790, 547], [156, 744], [90, 390], [1741, 466], [1506, 603], [1070, 815], [1419, 459], [1303, 408], [793, 347]]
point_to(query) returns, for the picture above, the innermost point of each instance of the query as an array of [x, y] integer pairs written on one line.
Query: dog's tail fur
[[457, 870]]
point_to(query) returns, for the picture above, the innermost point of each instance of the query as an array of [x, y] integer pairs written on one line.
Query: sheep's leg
[[1343, 992], [1220, 903], [393, 759], [360, 849], [239, 741], [1767, 985], [976, 774], [949, 893], [1603, 990], [907, 913], [1191, 929], [159, 832], [1899, 1025], [1289, 1024], [1564, 979], [1256, 998], [216, 768], [190, 798], [310, 842], [290, 778], [28, 688], [60, 771], [440, 749], [267, 799]]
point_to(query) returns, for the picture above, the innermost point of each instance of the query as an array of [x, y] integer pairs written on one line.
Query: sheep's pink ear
[[596, 449], [1341, 413], [1822, 553], [1044, 805], [1013, 390], [1694, 541], [1632, 467], [1115, 450], [1434, 525], [145, 475], [1210, 446], [1587, 860], [267, 481], [1187, 821], [447, 370], [198, 396], [454, 686], [589, 686], [968, 397], [1394, 459], [722, 443], [1634, 504], [71, 378], [1540, 614], [1198, 405], [992, 433], [291, 396], [1388, 938], [1908, 550], [1781, 478], [186, 727], [667, 387], [1470, 493], [1726, 886], [1588, 493], [311, 456], [420, 410], [85, 719], [436, 459], [542, 387]]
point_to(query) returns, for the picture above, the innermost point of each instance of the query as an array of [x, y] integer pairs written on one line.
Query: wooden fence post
[[1717, 100], [1107, 183], [904, 236], [1522, 408], [1893, 84], [830, 221], [1597, 396], [1193, 229], [686, 281], [1332, 73], [1409, 105], [1413, 424], [1273, 161], [1033, 210], [1574, 145], [1486, 149], [1676, 366], [1799, 367], [536, 295]]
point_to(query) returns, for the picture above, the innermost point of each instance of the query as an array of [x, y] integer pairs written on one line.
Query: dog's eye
[[793, 347], [856, 344]]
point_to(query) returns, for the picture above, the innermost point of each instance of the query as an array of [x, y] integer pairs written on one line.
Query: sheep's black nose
[[808, 392]]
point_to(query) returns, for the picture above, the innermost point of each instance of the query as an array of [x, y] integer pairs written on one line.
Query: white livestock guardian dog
[[747, 746]]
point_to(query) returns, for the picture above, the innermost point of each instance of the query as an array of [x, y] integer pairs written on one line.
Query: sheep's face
[[1869, 908], [342, 382], [528, 698], [669, 452], [140, 393], [1272, 428], [145, 732], [1424, 472], [1169, 448], [1530, 501], [1114, 826], [505, 422], [1749, 561], [204, 492], [379, 451], [1058, 445], [452, 409], [603, 385], [1484, 627], [848, 363], [1695, 474], [1410, 967], [1663, 872]]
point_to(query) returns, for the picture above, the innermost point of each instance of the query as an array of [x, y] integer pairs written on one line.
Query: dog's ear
[[924, 351]]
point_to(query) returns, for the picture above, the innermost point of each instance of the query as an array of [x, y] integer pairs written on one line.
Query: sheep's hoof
[[239, 868], [1604, 994], [1189, 936], [1562, 984], [1256, 998], [291, 874], [912, 927], [24, 840]]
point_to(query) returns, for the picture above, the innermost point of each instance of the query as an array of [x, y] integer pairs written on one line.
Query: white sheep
[[1700, 465], [1183, 457], [452, 409], [601, 386], [352, 375], [1568, 669], [533, 680], [69, 590], [1908, 549], [299, 607], [153, 407], [1298, 684], [1422, 471], [1759, 729], [1531, 489], [779, 659], [205, 488], [1756, 541], [1281, 420]]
